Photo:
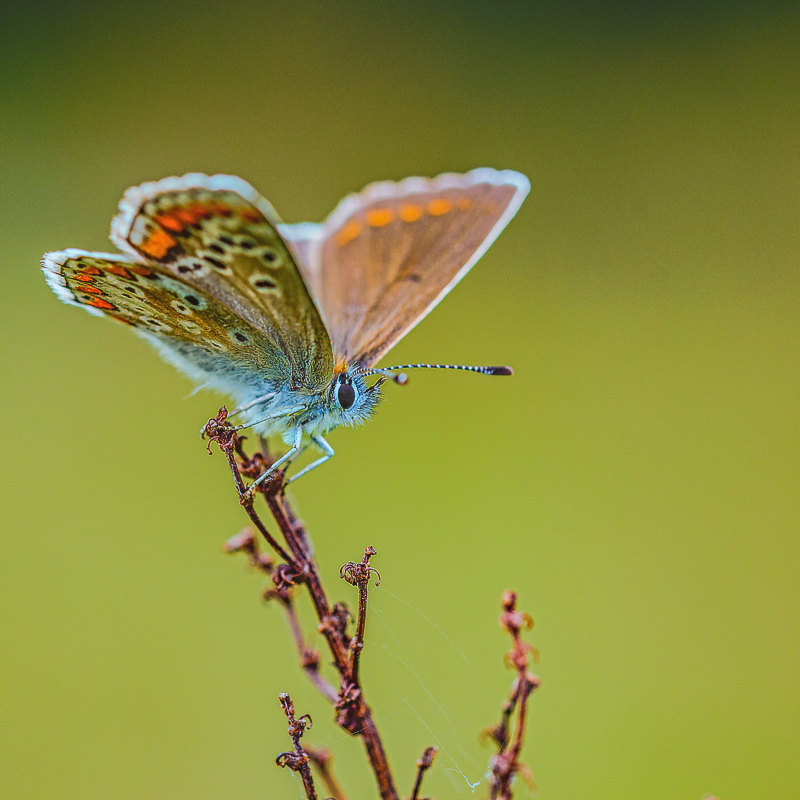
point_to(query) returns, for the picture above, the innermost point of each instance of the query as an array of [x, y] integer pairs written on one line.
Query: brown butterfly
[[288, 319]]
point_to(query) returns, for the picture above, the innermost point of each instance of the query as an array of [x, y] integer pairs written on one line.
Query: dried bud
[[509, 600], [245, 540]]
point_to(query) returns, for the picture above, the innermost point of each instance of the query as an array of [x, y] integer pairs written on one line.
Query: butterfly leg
[[287, 456], [327, 451], [264, 398]]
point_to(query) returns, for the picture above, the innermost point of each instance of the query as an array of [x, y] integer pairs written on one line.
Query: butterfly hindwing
[[190, 328], [218, 235], [387, 255]]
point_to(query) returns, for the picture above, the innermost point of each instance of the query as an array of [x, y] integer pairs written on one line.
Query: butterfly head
[[350, 401]]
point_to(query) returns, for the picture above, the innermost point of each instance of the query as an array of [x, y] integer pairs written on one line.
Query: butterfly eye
[[346, 395]]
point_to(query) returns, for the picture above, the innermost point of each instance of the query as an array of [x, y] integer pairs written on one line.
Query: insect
[[290, 320]]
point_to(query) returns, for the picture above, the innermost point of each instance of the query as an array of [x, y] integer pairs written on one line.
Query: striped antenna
[[401, 379]]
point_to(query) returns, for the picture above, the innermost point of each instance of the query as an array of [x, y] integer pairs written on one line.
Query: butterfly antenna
[[401, 378]]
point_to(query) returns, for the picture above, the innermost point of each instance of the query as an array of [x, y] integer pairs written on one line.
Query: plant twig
[[299, 567], [309, 657], [423, 765], [506, 764], [321, 759], [245, 542], [297, 761], [359, 575], [223, 434]]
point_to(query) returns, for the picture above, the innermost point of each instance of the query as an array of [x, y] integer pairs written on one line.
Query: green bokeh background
[[635, 482]]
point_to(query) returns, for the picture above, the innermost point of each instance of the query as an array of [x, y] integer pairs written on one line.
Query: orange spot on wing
[[223, 209], [170, 222], [378, 217], [92, 270], [98, 302], [192, 214], [90, 290], [115, 269], [250, 215], [158, 244], [348, 233], [84, 278], [464, 203], [439, 206], [143, 271], [410, 212]]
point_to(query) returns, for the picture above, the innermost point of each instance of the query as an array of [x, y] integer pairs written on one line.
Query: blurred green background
[[636, 482]]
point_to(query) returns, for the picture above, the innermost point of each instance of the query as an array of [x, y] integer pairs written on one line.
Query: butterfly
[[290, 320]]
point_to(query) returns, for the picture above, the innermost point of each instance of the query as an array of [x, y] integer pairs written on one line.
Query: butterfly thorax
[[346, 400]]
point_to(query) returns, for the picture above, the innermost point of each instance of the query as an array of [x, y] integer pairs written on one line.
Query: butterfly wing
[[387, 255], [190, 328], [216, 234], [303, 239]]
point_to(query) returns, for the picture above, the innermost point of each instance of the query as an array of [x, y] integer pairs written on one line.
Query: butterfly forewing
[[390, 253], [218, 235], [189, 326], [303, 239]]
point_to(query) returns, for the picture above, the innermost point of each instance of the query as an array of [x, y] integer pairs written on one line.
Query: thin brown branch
[[298, 760], [219, 431], [309, 658], [359, 575], [294, 533], [506, 764], [423, 765], [245, 542], [321, 760], [299, 567]]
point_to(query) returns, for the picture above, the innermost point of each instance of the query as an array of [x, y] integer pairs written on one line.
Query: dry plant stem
[[321, 759], [245, 542], [423, 765], [359, 575], [506, 764], [297, 761], [228, 449], [354, 715], [309, 659], [306, 571]]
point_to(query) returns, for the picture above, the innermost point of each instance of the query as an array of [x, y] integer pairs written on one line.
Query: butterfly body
[[287, 319], [269, 406], [317, 414]]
